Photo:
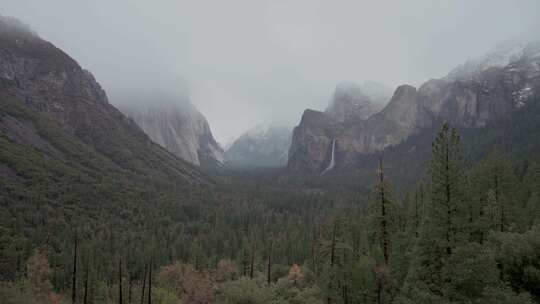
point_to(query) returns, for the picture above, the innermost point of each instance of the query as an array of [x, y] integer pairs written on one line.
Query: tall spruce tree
[[445, 220], [382, 211], [383, 218]]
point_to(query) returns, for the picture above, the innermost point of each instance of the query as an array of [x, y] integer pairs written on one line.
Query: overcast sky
[[249, 61]]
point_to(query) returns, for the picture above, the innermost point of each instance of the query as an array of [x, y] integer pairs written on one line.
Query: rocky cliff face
[[45, 80], [464, 99], [178, 127], [262, 146], [345, 120]]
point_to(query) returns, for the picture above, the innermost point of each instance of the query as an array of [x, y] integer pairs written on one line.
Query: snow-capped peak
[[499, 56]]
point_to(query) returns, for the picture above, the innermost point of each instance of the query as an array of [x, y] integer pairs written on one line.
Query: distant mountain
[[465, 100], [58, 131], [262, 146], [179, 127]]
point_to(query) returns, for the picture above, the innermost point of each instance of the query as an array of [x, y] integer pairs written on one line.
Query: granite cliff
[[466, 98], [180, 128]]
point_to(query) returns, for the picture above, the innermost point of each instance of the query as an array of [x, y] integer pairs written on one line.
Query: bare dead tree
[[150, 283], [269, 268], [252, 261], [144, 283], [120, 300], [85, 298], [74, 275]]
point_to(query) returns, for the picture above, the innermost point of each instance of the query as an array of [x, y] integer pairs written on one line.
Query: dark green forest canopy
[[258, 237]]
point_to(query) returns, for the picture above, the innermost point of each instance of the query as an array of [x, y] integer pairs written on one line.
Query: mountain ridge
[[41, 79], [492, 93]]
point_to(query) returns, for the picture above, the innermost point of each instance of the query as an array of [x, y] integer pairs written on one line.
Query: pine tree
[[443, 227], [417, 208], [381, 213], [446, 210], [383, 218]]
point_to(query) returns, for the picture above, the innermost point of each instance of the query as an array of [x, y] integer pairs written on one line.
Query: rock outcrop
[[263, 146], [467, 98]]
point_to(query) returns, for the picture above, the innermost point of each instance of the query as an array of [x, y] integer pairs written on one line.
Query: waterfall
[[332, 158]]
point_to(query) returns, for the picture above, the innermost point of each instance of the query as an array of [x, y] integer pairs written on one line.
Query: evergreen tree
[[443, 228], [446, 211], [383, 218]]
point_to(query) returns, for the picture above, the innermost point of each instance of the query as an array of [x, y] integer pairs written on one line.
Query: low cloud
[[246, 61]]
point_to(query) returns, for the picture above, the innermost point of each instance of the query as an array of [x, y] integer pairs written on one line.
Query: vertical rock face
[[399, 119], [43, 79], [344, 121], [312, 140], [262, 146], [470, 96], [180, 128]]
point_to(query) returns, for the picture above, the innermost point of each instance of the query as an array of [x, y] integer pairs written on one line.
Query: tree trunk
[[384, 229], [244, 262], [143, 284], [252, 262], [333, 247], [345, 294], [448, 200], [150, 284], [120, 300], [85, 299], [269, 270], [130, 283], [74, 282], [380, 299]]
